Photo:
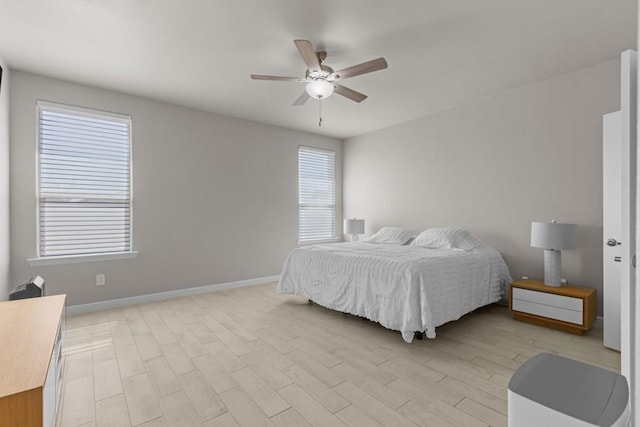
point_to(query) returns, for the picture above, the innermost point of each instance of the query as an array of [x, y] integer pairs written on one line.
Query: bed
[[405, 287]]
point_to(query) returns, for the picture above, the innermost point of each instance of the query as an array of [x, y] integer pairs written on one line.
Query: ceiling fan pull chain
[[320, 112]]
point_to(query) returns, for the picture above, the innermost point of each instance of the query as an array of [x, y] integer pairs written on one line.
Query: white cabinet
[[53, 383]]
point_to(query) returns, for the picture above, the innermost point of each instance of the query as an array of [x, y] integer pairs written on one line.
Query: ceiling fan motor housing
[[325, 73]]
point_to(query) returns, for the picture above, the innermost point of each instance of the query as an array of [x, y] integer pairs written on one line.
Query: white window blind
[[84, 181], [317, 194]]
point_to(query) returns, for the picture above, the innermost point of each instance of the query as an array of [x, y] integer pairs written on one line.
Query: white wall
[[5, 284], [493, 166], [214, 198]]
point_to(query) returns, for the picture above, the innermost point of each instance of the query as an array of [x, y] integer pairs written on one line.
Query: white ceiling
[[200, 53]]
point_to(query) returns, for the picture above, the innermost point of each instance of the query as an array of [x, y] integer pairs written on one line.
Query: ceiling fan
[[321, 80]]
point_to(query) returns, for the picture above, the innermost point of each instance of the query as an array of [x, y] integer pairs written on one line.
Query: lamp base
[[354, 237], [552, 265]]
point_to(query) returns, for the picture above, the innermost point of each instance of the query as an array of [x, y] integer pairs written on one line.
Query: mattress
[[404, 288]]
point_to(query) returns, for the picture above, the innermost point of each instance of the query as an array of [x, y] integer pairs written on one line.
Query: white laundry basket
[[550, 390]]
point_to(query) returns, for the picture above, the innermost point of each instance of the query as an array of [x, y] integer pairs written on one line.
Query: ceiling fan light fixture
[[319, 89]]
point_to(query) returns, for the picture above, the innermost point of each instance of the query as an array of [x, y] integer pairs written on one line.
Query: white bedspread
[[404, 288]]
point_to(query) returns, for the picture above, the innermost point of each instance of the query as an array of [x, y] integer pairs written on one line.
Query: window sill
[[318, 242], [71, 259]]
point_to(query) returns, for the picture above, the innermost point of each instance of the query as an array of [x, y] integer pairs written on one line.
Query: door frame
[[629, 320]]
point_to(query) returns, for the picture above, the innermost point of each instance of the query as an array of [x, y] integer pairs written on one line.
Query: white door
[[612, 225], [628, 319]]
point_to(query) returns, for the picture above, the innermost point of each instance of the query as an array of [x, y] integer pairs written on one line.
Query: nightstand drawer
[[558, 313], [560, 301], [567, 308]]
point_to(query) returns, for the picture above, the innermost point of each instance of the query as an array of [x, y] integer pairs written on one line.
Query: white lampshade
[[553, 238], [354, 226], [551, 235], [319, 89]]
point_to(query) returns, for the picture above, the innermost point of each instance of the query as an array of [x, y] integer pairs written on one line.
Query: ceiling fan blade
[[278, 78], [349, 93], [301, 99], [308, 54], [365, 67]]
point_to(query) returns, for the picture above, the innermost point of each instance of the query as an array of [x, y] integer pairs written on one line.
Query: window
[[317, 194], [84, 181]]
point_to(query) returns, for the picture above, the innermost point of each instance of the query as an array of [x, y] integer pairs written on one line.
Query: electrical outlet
[[101, 279]]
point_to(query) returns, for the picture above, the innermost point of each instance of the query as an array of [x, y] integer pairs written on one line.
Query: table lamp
[[552, 237], [354, 227]]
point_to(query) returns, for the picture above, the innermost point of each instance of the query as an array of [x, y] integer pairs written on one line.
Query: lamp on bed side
[[354, 227], [552, 237]]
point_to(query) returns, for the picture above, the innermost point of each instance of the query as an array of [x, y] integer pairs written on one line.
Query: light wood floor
[[250, 357]]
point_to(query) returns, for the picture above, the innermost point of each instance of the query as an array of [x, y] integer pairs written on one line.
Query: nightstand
[[567, 308]]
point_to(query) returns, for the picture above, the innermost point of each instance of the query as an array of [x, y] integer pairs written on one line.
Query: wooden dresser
[[31, 337]]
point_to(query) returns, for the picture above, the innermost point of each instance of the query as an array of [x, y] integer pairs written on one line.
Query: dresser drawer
[[552, 300], [558, 313]]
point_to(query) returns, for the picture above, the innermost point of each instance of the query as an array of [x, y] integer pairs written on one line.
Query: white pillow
[[392, 236], [446, 238]]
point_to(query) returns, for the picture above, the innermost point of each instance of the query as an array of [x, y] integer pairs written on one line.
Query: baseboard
[[598, 321], [139, 299]]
